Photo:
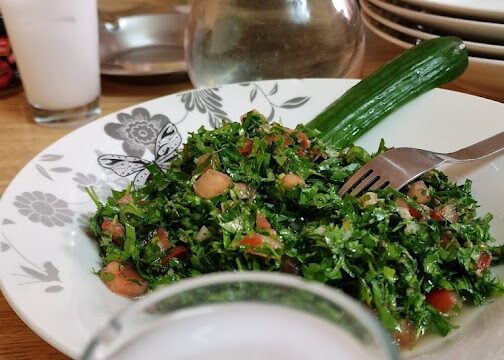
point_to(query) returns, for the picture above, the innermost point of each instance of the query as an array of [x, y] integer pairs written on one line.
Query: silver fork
[[397, 167]]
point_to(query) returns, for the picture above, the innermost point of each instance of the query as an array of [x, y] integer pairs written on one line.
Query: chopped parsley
[[258, 196]]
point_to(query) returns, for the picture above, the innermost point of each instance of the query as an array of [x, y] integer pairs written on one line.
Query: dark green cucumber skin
[[417, 70]]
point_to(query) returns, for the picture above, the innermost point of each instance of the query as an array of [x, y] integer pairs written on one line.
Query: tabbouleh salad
[[259, 196]]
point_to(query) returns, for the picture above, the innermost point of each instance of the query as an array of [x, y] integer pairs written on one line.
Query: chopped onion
[[369, 199], [244, 191], [411, 228], [203, 234]]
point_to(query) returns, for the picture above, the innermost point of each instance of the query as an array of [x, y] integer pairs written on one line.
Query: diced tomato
[[203, 159], [436, 216], [122, 279], [406, 336], [253, 240], [262, 222], [419, 192], [290, 181], [414, 212], [271, 138], [442, 300], [445, 239], [125, 200], [246, 149], [287, 140], [114, 229], [301, 152], [179, 252], [448, 212], [401, 203], [162, 235], [211, 184], [303, 140], [484, 261]]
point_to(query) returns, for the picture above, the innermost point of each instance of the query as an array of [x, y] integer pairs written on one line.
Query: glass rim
[[333, 295]]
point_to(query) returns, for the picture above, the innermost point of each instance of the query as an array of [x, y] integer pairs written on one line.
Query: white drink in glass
[[56, 47], [244, 331]]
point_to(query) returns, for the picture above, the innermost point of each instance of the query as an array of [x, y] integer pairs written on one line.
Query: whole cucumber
[[419, 69]]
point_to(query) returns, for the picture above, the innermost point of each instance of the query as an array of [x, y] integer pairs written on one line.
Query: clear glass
[[56, 48], [248, 315], [229, 41]]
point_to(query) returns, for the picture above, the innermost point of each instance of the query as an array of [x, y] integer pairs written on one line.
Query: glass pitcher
[[229, 41]]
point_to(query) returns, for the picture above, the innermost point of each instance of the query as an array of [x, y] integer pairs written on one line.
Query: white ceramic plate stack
[[480, 23]]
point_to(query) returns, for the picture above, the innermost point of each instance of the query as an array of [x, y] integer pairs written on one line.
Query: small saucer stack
[[480, 23]]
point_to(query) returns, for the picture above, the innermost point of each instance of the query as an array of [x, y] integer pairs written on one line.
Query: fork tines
[[365, 179]]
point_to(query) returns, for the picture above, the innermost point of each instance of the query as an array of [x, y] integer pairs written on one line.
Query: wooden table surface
[[21, 140]]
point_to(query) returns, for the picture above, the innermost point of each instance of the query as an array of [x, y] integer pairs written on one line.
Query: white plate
[[473, 47], [468, 29], [47, 261], [482, 76], [481, 9]]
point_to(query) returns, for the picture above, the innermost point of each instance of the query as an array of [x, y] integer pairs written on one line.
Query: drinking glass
[[56, 48], [248, 315], [229, 41]]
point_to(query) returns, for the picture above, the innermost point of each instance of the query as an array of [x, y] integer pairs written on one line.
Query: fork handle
[[487, 147]]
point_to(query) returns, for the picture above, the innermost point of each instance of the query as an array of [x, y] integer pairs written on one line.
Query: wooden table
[[21, 140]]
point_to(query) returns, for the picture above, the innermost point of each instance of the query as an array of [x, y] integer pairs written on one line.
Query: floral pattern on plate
[[44, 208], [167, 141], [137, 130]]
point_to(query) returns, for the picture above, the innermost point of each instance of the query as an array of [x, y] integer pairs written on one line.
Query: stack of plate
[[480, 23]]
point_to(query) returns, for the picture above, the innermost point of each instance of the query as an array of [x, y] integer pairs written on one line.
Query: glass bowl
[[248, 315], [229, 41]]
